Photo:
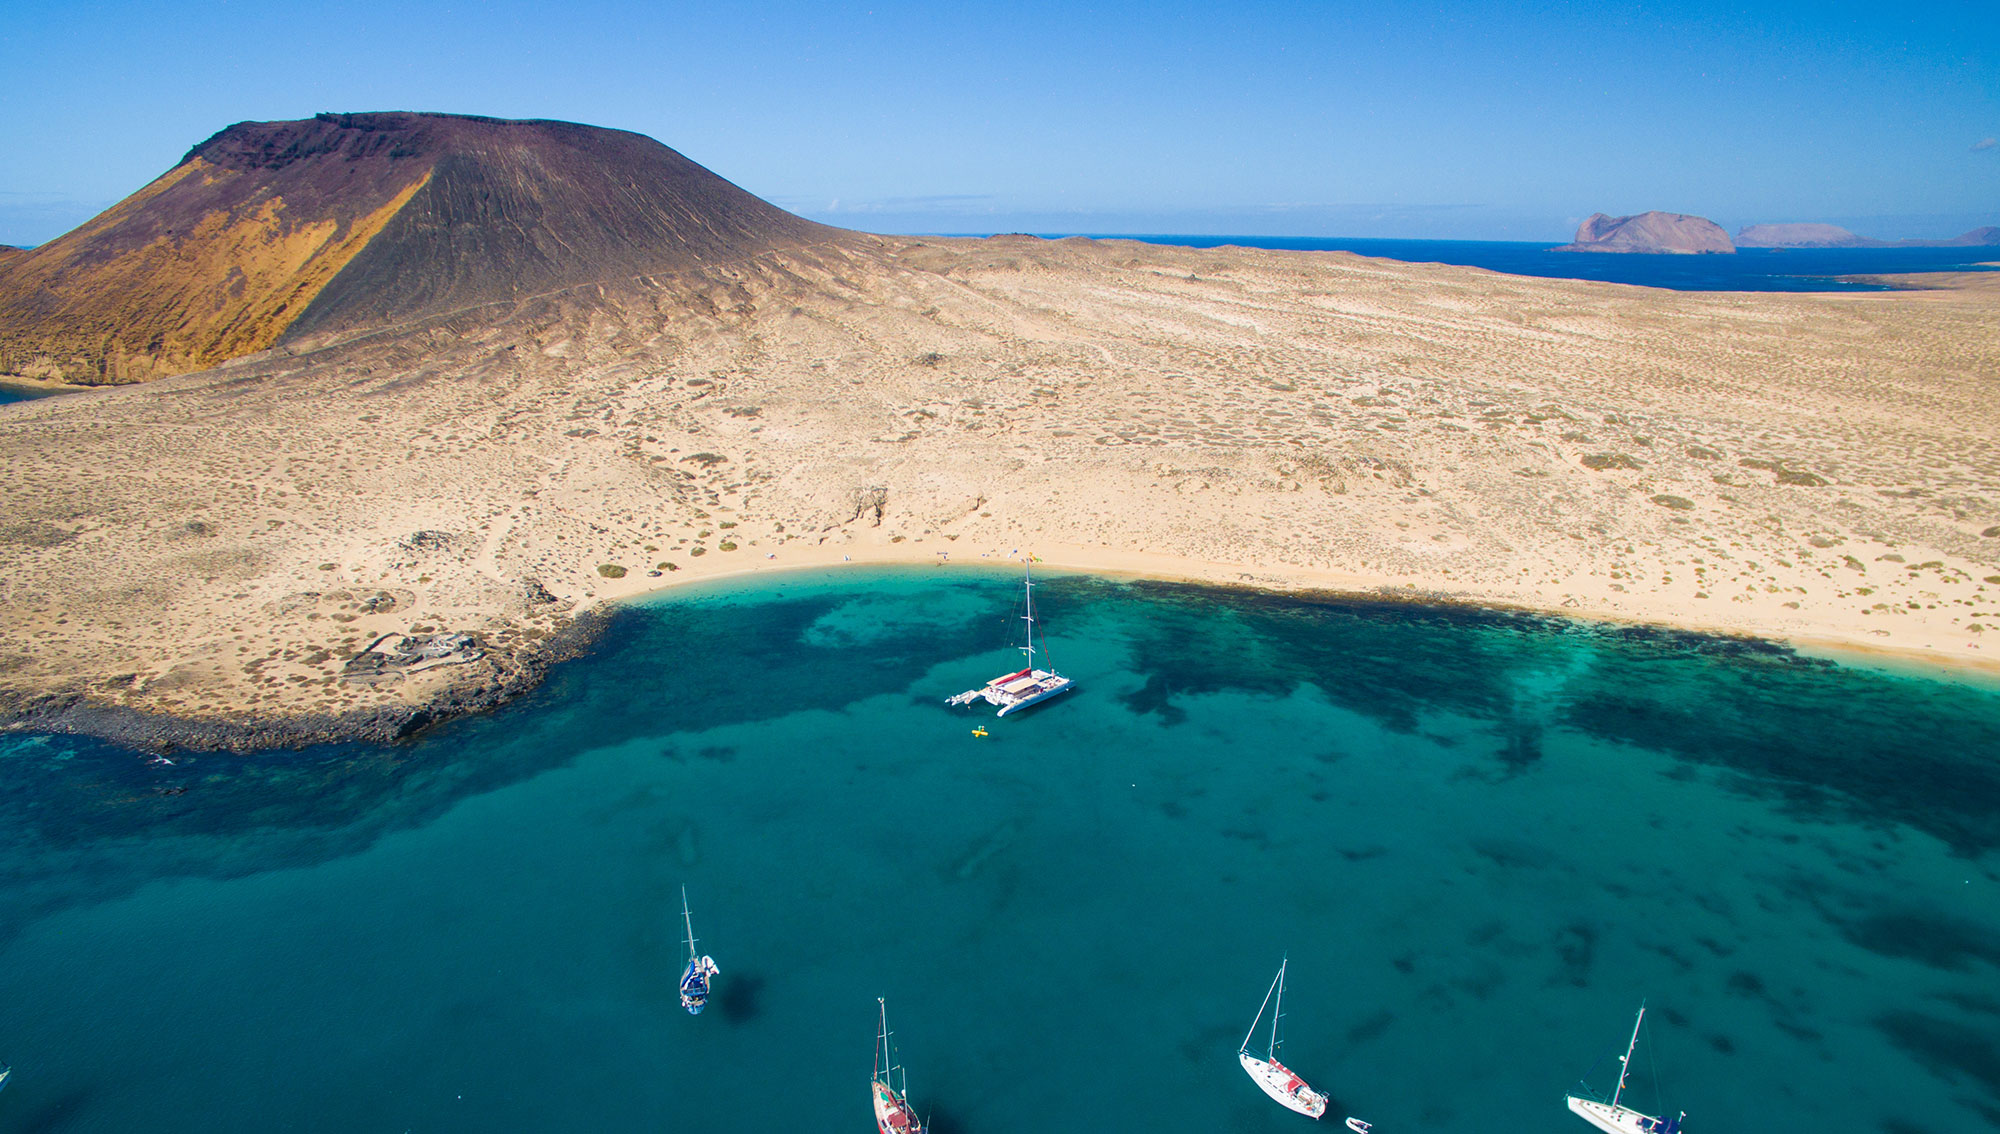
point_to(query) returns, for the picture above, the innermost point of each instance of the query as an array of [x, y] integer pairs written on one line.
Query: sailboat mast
[[1272, 1051], [1625, 1064], [881, 1036], [689, 919], [1028, 590], [1260, 1009]]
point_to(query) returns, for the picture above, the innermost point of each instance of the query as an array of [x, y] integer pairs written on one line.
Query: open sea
[[1749, 269], [1482, 839]]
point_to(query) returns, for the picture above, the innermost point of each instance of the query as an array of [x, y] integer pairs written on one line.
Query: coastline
[[524, 671], [194, 560]]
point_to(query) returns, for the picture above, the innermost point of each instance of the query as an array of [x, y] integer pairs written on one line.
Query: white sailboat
[[891, 1084], [1276, 1079], [694, 981], [1025, 686], [1614, 1118]]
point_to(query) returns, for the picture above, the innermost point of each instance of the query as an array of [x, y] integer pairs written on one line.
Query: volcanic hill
[[270, 231]]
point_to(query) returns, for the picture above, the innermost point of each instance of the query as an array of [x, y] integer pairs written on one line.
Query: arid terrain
[[1816, 468]]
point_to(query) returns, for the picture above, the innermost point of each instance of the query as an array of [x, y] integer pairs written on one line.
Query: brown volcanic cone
[[272, 230]]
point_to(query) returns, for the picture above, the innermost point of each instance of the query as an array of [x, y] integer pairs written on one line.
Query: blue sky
[[1327, 117]]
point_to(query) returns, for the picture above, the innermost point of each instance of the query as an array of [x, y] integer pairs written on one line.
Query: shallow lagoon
[[1482, 839]]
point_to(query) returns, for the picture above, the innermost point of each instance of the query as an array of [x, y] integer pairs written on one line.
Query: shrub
[[611, 570], [1603, 461], [1680, 502]]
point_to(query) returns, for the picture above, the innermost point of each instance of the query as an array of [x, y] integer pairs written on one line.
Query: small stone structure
[[409, 654]]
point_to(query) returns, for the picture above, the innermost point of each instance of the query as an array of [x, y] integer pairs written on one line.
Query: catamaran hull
[[1614, 1119], [1036, 698], [1285, 1088]]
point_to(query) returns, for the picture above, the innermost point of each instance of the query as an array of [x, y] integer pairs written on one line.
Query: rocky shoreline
[[521, 671]]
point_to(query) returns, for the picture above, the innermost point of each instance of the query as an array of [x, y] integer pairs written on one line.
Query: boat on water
[[694, 980], [1614, 1118], [1277, 1080], [1027, 685], [893, 1114], [6, 1073]]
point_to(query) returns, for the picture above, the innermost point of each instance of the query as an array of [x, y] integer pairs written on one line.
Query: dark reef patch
[[1949, 1050]]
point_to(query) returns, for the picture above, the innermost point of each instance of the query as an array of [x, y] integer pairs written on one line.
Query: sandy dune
[[1817, 468]]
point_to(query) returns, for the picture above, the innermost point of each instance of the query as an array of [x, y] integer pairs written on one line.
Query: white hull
[[1047, 688], [1017, 690], [1613, 1119], [1285, 1088]]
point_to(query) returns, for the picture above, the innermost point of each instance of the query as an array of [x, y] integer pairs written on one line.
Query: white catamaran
[[1613, 1118], [1278, 1080], [891, 1084], [1023, 687], [694, 981]]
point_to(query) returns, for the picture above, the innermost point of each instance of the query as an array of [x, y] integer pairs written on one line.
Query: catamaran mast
[[1028, 588], [1625, 1063]]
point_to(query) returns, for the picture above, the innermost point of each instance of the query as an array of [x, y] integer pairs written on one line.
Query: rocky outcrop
[[1834, 236], [272, 230], [1800, 236], [1649, 232], [1986, 237]]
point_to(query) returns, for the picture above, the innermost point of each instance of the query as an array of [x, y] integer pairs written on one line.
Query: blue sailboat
[[694, 981]]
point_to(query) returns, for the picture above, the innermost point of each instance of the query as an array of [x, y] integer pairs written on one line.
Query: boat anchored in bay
[[1276, 1079], [1023, 687], [694, 981], [893, 1114], [1613, 1118]]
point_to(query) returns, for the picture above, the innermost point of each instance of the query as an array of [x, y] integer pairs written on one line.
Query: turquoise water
[[1481, 839]]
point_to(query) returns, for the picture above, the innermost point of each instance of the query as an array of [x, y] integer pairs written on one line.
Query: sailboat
[[1025, 686], [1613, 1118], [891, 1084], [1276, 1079], [694, 981]]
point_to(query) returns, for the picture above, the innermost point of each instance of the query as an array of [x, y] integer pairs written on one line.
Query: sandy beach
[[213, 547]]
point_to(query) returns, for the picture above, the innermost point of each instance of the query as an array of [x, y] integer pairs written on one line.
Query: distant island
[[1649, 232], [1834, 236]]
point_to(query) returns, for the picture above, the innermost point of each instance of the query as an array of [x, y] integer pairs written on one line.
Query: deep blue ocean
[[1750, 269], [1482, 839]]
